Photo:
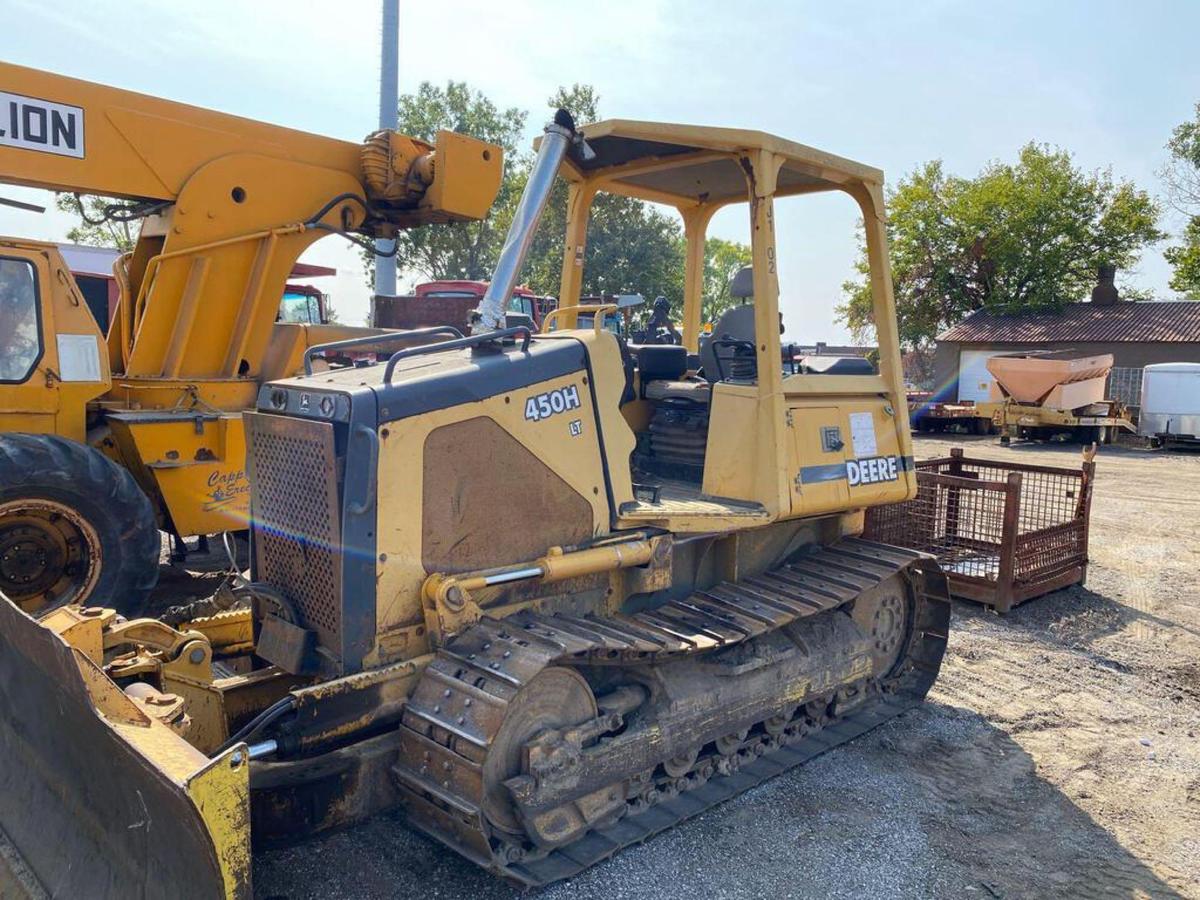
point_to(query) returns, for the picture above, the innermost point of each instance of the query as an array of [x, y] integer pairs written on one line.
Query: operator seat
[[662, 369], [735, 324]]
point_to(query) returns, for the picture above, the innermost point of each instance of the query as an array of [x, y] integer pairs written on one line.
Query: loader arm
[[231, 205]]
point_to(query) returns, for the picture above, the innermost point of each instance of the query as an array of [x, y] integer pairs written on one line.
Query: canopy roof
[[690, 164]]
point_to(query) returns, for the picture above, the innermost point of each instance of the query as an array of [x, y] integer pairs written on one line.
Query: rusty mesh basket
[[1003, 532]]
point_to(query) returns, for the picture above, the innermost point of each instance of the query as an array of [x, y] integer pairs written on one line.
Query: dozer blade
[[97, 799]]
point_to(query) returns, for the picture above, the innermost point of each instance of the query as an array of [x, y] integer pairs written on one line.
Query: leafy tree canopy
[[1019, 236], [722, 259], [1182, 176], [1182, 173], [110, 233], [1185, 260]]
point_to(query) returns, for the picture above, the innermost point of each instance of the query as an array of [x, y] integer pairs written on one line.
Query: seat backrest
[[661, 362], [736, 324], [741, 285]]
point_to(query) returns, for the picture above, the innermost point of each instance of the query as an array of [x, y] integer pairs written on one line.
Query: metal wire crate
[[1125, 384], [1003, 532]]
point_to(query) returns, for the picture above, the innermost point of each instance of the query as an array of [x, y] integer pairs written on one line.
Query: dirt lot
[[1058, 755]]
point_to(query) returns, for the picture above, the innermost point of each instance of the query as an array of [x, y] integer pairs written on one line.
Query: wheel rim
[[49, 554], [557, 697], [884, 613]]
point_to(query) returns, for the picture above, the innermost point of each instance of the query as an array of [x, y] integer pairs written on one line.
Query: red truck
[[450, 303]]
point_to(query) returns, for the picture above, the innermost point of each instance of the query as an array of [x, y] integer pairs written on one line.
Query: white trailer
[[1170, 411]]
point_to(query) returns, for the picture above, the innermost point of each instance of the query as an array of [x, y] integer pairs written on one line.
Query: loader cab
[[733, 428], [52, 359], [302, 304]]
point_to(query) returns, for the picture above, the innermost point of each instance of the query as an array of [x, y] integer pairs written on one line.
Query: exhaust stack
[[557, 140]]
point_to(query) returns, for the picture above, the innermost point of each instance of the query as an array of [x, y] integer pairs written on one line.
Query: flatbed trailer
[[1098, 423], [1053, 395], [964, 416]]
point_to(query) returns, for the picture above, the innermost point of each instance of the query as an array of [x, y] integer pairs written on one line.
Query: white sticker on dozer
[[78, 357], [551, 403], [862, 434], [871, 471]]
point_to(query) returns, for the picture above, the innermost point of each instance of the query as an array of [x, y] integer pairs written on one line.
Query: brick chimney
[[1105, 291]]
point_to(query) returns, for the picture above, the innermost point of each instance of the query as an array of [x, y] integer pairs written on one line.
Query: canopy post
[[695, 230]]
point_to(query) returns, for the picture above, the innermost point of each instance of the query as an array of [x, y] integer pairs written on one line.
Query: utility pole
[[389, 83]]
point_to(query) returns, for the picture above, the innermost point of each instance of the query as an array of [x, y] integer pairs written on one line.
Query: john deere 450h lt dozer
[[550, 593]]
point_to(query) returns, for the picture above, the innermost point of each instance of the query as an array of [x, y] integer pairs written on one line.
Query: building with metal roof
[[1137, 334]]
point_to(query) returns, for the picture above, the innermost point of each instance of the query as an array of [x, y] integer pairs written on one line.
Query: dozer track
[[508, 757]]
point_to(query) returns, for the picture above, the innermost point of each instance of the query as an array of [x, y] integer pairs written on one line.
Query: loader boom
[[240, 200]]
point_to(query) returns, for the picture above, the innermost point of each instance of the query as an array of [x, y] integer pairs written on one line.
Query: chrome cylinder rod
[[261, 749]]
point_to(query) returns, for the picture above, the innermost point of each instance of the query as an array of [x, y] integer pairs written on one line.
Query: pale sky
[[889, 84]]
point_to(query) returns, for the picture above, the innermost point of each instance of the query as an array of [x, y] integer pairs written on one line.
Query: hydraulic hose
[[258, 723]]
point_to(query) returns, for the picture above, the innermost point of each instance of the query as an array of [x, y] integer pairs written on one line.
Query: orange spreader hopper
[[1063, 379]]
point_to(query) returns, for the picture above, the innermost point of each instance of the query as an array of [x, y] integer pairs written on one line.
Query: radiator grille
[[296, 521]]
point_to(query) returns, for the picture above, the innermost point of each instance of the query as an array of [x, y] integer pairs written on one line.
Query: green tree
[[722, 259], [1182, 173], [1018, 237], [1185, 260], [108, 233], [1182, 176]]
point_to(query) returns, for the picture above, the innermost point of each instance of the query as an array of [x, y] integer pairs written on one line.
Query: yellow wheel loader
[[105, 439], [498, 583]]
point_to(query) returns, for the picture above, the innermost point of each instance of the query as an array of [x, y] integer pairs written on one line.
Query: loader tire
[[74, 527]]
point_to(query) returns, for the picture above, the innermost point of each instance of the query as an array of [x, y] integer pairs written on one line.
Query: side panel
[[818, 461], [846, 453], [564, 442], [477, 475], [732, 443], [196, 463]]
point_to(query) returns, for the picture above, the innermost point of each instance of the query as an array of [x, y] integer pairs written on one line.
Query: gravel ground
[[1057, 755]]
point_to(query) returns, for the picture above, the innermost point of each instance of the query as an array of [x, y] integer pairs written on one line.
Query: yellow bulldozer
[[550, 593], [105, 439]]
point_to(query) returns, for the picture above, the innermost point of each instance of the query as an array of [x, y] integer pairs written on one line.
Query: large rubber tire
[[44, 480]]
